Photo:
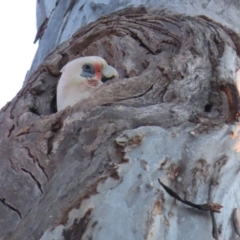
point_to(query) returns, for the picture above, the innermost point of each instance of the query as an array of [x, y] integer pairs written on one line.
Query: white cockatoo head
[[80, 78]]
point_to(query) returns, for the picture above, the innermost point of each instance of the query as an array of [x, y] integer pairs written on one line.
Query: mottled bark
[[91, 171]]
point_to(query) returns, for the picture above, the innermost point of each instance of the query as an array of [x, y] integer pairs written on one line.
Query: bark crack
[[3, 201], [34, 179], [137, 96], [42, 168], [36, 160]]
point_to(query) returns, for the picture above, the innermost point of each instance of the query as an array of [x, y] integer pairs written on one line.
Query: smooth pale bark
[[91, 171]]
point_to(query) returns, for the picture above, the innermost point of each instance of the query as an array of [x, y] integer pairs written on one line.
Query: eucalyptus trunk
[[151, 155]]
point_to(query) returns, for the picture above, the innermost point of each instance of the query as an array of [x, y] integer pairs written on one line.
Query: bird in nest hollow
[[80, 78]]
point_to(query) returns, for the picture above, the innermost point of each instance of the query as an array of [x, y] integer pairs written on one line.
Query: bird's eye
[[88, 70], [87, 67]]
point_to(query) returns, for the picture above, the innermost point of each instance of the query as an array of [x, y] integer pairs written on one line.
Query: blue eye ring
[[88, 71], [88, 68]]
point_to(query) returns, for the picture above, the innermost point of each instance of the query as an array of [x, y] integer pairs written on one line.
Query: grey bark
[[91, 171]]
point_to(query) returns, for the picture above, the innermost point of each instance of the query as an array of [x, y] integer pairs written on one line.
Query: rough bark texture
[[91, 171]]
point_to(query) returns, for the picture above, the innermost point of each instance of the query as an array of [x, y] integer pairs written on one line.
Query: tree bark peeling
[[171, 115]]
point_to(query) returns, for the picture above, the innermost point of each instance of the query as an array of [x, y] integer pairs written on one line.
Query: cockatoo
[[80, 78]]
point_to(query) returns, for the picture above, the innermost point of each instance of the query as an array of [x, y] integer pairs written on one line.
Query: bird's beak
[[108, 72]]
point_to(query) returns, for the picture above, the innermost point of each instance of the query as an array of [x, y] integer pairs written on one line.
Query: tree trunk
[[124, 163]]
